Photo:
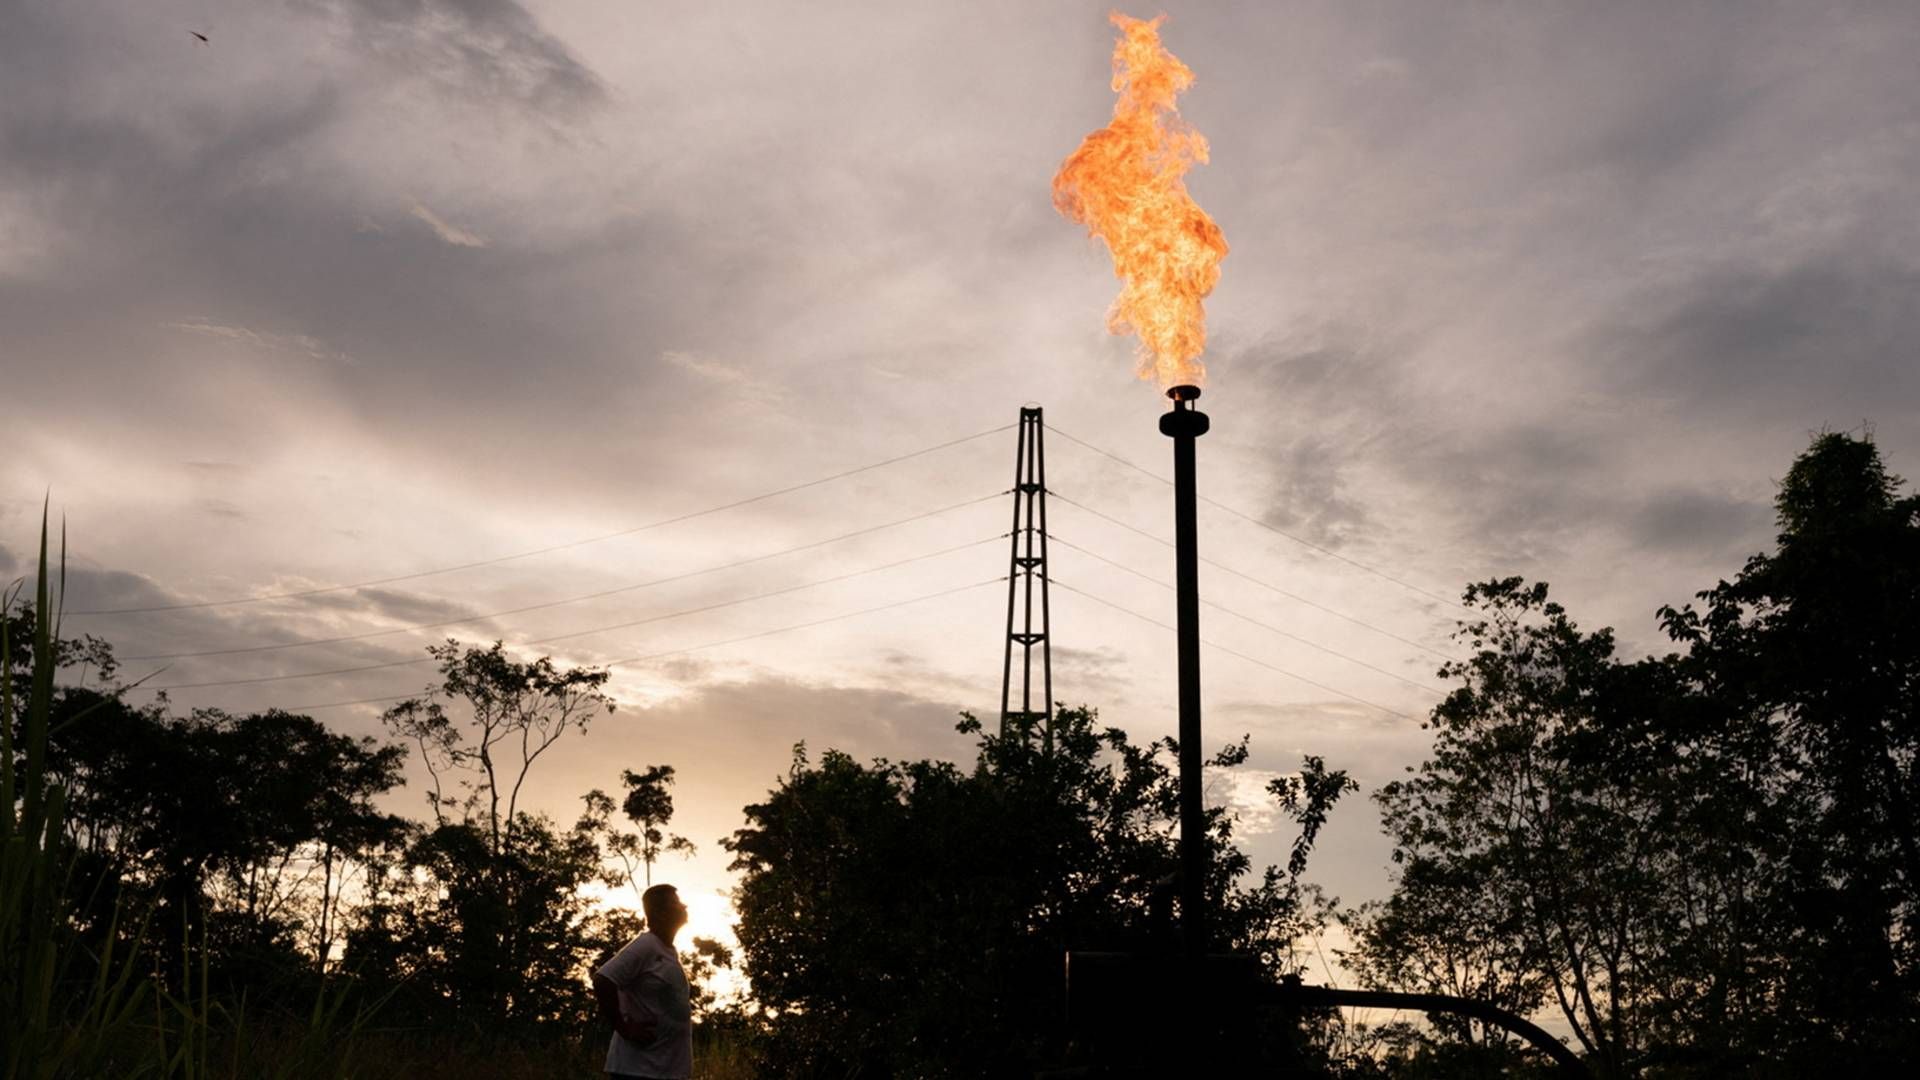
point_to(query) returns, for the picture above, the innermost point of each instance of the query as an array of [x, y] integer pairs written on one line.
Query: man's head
[[665, 913]]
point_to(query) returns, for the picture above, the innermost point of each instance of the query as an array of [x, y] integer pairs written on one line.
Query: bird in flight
[[201, 36]]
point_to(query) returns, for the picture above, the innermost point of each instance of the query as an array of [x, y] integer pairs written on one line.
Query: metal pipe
[[1297, 995], [1183, 425]]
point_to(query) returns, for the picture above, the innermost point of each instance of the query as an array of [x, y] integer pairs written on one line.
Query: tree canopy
[[1703, 861], [909, 918]]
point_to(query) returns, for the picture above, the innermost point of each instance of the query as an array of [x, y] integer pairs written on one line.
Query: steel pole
[[1184, 425]]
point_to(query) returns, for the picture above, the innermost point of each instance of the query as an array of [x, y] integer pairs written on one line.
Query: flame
[[1124, 183]]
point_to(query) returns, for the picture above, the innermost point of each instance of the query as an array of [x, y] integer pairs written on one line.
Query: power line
[[1242, 515], [626, 661], [807, 625], [569, 600], [596, 630], [1243, 575], [1308, 642], [555, 547], [776, 592], [1230, 652]]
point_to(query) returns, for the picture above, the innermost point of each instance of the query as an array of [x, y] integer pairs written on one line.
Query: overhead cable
[[689, 516], [595, 630], [571, 599], [1231, 652], [1242, 515], [631, 660], [1308, 642], [1244, 576]]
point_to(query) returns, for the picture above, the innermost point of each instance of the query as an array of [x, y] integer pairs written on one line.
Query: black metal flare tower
[[1027, 568], [1184, 425], [1211, 1021]]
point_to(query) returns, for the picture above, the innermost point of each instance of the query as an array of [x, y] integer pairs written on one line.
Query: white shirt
[[652, 986]]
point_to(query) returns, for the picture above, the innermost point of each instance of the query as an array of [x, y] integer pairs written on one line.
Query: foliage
[[64, 1008], [909, 918], [1529, 868], [649, 805], [479, 940], [1813, 652], [510, 712], [1703, 861], [254, 824], [79, 994], [177, 911], [481, 918]]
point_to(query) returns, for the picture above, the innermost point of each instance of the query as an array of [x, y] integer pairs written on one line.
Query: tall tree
[[649, 805], [1704, 861], [1523, 837], [507, 713], [484, 916], [1818, 645]]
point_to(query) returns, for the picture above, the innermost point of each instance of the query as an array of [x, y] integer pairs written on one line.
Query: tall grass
[[65, 1009]]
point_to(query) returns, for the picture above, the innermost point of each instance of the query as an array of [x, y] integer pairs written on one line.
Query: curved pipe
[[1295, 993]]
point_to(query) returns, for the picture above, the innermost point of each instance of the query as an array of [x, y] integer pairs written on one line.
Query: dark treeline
[[1701, 863], [248, 859], [1705, 862]]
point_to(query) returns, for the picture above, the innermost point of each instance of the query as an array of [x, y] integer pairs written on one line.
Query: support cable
[[595, 630], [468, 620], [1308, 642], [1242, 515], [631, 660], [1231, 652], [689, 516], [1244, 576]]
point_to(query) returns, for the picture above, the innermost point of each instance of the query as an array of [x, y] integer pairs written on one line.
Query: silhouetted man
[[643, 991]]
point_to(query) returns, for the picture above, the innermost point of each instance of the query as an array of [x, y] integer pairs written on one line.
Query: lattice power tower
[[1027, 576]]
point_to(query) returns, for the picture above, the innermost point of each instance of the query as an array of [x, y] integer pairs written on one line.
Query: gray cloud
[[1693, 520], [1836, 330], [401, 606], [90, 588], [1310, 499], [1101, 665], [489, 49]]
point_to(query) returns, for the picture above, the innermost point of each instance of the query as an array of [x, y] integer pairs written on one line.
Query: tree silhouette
[[483, 918], [909, 918], [1706, 861], [649, 805], [510, 712], [1815, 649]]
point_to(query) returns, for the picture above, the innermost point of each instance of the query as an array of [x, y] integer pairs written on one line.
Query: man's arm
[[632, 1028]]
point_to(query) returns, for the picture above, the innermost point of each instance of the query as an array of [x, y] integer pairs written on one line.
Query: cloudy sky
[[363, 289]]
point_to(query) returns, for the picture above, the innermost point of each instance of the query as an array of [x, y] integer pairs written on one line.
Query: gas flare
[[1124, 183]]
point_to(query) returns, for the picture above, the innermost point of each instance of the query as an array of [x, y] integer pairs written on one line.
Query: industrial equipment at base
[[1165, 1014], [1185, 1011]]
